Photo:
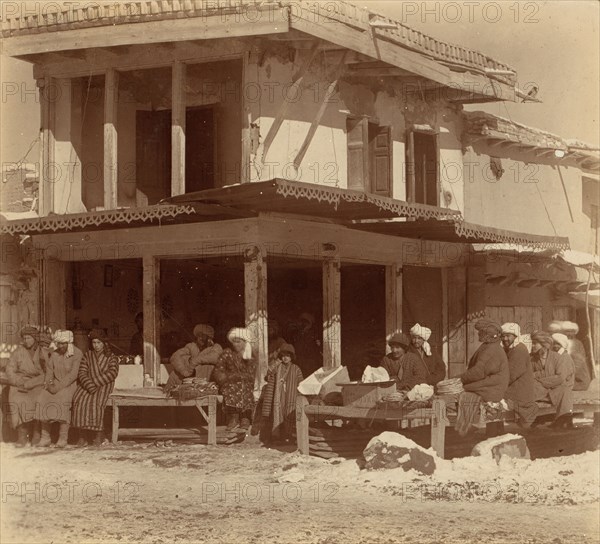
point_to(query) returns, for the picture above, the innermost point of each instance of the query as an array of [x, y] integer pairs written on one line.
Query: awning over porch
[[99, 219], [458, 231], [285, 196]]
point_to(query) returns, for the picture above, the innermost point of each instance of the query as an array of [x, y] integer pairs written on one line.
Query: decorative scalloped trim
[[112, 217]]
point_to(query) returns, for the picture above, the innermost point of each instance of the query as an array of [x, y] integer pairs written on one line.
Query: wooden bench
[[143, 397], [305, 412]]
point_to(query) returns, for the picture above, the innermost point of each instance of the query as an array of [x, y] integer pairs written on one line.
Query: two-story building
[[230, 162]]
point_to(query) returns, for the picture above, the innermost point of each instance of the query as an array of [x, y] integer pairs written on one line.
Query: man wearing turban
[[553, 378], [61, 384], [520, 394], [577, 352], [26, 376], [198, 357], [419, 345], [404, 367], [486, 377]]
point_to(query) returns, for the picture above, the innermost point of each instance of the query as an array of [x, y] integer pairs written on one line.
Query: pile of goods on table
[[193, 388]]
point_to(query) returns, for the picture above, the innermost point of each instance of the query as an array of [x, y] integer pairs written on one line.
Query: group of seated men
[[503, 369]]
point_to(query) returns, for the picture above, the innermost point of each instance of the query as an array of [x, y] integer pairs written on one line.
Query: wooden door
[[153, 154], [380, 142]]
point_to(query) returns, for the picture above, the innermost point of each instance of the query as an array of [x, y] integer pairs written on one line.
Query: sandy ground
[[155, 493]]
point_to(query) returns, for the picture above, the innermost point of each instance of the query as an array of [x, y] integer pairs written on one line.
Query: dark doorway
[[153, 154], [199, 149], [426, 177]]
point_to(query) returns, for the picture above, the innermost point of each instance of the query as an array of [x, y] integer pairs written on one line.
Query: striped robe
[[279, 397], [96, 380]]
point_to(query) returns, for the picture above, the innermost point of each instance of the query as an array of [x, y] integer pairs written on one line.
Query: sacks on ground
[[375, 374]]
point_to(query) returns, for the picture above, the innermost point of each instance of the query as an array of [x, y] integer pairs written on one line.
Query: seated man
[[577, 352], [485, 380], [405, 368], [520, 394], [200, 357], [553, 378], [436, 369]]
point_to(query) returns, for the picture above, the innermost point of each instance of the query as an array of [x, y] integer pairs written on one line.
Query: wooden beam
[[151, 311], [169, 30], [393, 299], [255, 297], [369, 44], [283, 110], [445, 319], [178, 129], [47, 109], [331, 89], [332, 323], [111, 99]]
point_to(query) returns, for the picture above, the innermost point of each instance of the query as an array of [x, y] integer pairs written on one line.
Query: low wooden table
[[306, 411], [155, 397]]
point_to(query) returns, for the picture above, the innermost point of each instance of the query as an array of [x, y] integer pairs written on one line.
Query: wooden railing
[[110, 13]]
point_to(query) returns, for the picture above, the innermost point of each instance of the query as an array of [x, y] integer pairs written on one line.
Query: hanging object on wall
[[496, 167], [77, 286], [108, 275]]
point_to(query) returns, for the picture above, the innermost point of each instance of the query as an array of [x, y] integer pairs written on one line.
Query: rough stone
[[509, 445], [392, 450]]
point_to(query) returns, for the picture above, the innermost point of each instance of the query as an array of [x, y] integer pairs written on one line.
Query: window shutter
[[358, 157], [381, 177]]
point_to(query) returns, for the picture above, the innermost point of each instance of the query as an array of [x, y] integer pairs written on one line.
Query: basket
[[366, 395]]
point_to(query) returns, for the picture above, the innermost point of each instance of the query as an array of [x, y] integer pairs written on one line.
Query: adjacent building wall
[[533, 196]]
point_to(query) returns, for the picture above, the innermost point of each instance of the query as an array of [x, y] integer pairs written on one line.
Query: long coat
[[235, 377], [487, 373], [521, 381], [554, 381], [190, 358], [279, 397], [26, 377], [436, 369], [407, 370], [96, 380], [577, 353], [62, 371]]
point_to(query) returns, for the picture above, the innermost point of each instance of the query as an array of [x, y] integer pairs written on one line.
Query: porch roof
[[458, 231], [295, 197]]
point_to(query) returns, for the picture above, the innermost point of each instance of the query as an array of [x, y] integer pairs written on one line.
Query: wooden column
[[255, 296], [151, 311], [178, 129], [332, 323], [67, 142], [47, 107], [111, 100], [53, 289], [393, 299], [445, 331], [410, 166]]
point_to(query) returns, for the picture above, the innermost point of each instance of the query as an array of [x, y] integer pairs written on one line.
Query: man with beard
[[405, 368], [520, 394], [553, 378], [61, 384]]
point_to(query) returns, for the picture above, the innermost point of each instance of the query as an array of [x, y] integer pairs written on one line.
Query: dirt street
[[161, 492]]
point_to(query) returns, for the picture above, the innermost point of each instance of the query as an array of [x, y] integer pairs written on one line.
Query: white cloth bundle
[[375, 374]]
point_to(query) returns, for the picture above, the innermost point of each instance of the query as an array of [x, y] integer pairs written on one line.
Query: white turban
[[64, 337], [570, 327], [424, 333], [511, 328], [241, 333], [515, 330], [561, 339]]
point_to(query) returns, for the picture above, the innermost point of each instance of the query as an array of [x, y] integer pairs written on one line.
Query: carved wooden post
[[393, 298], [151, 310], [111, 101], [178, 129], [255, 289], [332, 325]]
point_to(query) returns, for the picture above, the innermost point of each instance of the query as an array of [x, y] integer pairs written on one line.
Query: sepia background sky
[[553, 44]]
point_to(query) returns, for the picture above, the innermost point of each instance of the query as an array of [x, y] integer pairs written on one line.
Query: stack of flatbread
[[453, 386]]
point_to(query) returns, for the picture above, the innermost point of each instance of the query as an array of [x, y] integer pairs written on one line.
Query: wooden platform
[[155, 397], [305, 412]]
